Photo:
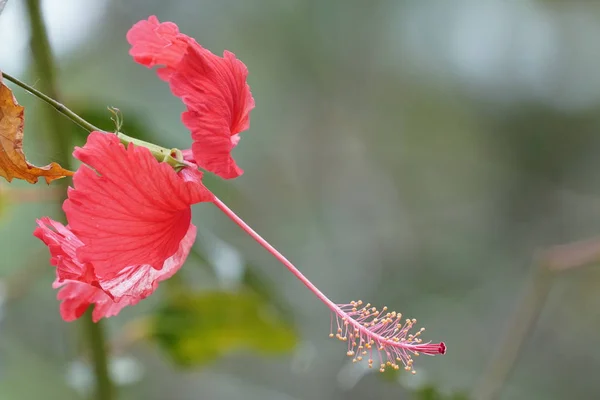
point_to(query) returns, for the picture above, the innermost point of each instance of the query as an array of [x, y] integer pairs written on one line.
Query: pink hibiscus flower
[[129, 227]]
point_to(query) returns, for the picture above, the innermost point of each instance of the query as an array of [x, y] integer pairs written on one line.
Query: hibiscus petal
[[77, 297], [155, 44], [139, 281], [131, 209], [63, 244], [219, 102], [80, 288], [213, 88], [212, 145]]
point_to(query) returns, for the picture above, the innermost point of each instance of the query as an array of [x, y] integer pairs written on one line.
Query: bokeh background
[[414, 154]]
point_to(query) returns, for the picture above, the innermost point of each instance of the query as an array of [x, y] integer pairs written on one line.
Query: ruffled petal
[[63, 245], [80, 288], [131, 209], [212, 145], [77, 297], [218, 101], [213, 88], [153, 43]]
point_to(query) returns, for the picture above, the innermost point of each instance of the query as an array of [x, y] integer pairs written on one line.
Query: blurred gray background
[[414, 154]]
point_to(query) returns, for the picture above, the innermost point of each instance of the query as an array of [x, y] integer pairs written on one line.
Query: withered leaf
[[12, 159]]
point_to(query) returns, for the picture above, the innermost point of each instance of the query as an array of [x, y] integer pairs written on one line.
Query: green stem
[[45, 69], [61, 108], [96, 338], [44, 62], [173, 157]]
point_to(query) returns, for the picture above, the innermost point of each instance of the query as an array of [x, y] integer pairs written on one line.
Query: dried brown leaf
[[12, 159]]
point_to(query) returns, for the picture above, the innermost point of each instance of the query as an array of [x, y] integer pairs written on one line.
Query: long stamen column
[[366, 329]]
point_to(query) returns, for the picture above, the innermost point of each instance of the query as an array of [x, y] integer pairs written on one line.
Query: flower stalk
[[62, 109]]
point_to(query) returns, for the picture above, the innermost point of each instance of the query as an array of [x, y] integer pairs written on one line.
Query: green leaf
[[197, 328], [254, 280]]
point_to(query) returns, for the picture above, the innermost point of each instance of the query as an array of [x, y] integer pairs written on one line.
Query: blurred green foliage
[[196, 328]]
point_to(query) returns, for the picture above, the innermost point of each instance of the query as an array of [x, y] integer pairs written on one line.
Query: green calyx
[[173, 157]]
